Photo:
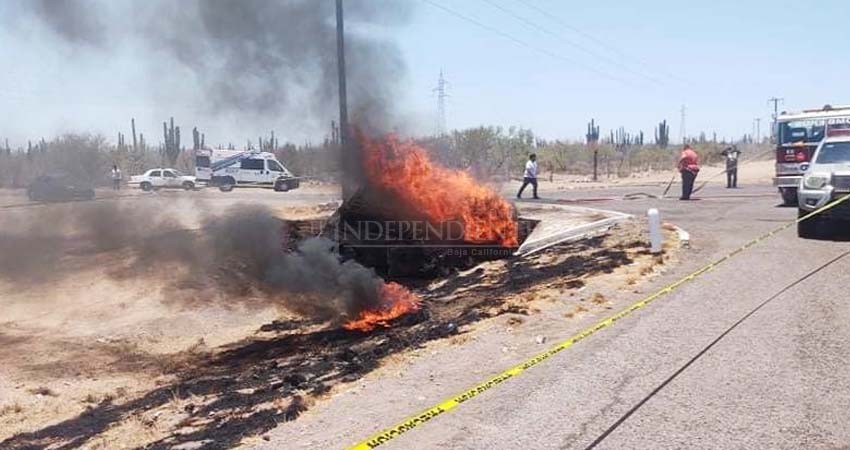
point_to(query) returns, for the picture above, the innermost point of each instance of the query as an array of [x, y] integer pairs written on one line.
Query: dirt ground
[[98, 360]]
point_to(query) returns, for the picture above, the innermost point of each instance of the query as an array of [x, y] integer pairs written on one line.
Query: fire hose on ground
[[638, 195]]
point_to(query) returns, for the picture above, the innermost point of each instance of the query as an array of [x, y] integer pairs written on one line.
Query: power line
[[590, 37], [571, 43], [523, 43]]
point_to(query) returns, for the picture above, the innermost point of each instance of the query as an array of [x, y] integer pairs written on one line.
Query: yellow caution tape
[[423, 417]]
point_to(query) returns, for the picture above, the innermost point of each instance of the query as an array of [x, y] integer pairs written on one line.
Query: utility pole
[[348, 155], [682, 130], [440, 128], [774, 128], [758, 130]]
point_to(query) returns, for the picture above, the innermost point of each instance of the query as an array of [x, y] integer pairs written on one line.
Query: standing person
[[529, 176], [116, 178], [689, 168], [732, 154]]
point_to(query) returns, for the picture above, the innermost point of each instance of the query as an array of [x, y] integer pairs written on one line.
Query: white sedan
[[163, 179]]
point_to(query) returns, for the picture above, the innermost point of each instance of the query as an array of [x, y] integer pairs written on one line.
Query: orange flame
[[396, 300], [404, 169]]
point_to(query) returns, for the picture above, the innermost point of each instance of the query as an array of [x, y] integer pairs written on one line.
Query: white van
[[231, 168]]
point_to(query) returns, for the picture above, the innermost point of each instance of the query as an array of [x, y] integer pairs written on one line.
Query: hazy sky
[[629, 64]]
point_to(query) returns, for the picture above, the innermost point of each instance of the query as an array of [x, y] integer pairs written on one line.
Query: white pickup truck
[[826, 179], [163, 178]]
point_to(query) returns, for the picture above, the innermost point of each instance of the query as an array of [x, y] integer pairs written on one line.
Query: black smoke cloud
[[235, 257], [318, 283], [250, 56], [72, 21]]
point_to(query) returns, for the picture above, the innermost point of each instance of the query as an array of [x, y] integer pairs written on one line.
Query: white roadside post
[[654, 230]]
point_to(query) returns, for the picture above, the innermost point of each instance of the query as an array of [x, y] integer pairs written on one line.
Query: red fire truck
[[797, 137]]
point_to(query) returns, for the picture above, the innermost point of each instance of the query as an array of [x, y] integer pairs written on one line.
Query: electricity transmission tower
[[440, 125], [683, 135]]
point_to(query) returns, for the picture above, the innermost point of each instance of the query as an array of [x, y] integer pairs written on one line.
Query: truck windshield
[[801, 131], [834, 153]]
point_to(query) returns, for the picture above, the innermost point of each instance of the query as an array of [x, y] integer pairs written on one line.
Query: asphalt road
[[779, 380]]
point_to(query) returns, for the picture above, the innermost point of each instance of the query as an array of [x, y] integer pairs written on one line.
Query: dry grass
[[515, 320], [14, 408], [460, 339], [576, 311], [129, 433], [598, 298], [529, 296], [43, 390]]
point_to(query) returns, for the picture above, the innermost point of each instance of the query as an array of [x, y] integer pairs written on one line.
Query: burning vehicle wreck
[[412, 217], [412, 247], [427, 222]]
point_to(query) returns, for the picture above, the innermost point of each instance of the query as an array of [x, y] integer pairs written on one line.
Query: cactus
[[133, 128], [592, 132], [662, 134], [171, 148], [622, 139], [196, 139]]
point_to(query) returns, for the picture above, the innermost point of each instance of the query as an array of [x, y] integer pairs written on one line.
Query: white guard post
[[654, 230]]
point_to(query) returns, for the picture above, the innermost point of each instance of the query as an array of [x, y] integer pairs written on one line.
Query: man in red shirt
[[689, 168]]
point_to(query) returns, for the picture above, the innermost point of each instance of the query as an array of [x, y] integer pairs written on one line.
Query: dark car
[[57, 189]]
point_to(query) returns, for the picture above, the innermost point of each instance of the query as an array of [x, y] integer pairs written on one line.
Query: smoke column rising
[[271, 61]]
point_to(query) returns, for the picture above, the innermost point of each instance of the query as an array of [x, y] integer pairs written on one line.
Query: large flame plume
[[404, 170]]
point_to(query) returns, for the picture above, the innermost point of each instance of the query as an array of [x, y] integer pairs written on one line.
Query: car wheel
[[147, 187], [789, 196], [189, 186], [226, 184], [809, 228], [281, 186]]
